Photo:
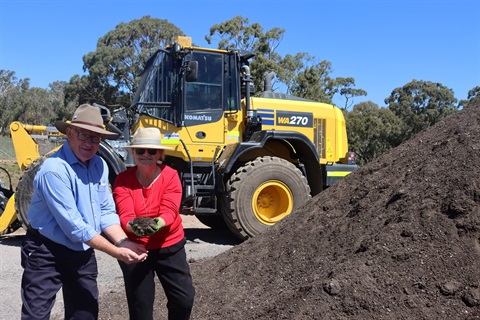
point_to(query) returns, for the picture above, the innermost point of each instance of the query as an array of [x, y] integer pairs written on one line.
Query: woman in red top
[[153, 190]]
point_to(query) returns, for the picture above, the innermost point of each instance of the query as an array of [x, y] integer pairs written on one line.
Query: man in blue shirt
[[70, 209]]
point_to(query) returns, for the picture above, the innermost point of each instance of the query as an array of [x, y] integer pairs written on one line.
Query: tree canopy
[[238, 33], [115, 66], [372, 130], [420, 104], [299, 73], [473, 98]]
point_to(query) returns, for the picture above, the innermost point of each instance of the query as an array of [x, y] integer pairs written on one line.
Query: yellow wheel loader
[[246, 160]]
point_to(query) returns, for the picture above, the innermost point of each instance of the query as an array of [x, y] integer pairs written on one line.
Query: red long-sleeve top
[[161, 199]]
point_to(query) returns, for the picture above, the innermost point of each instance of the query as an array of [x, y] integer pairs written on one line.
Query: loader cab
[[189, 88]]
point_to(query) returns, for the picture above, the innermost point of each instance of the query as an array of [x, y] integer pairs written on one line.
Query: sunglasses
[[140, 151]]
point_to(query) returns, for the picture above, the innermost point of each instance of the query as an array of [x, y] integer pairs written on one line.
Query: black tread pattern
[[24, 190], [247, 174]]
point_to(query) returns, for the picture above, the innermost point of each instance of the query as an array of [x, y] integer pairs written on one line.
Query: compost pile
[[397, 239]]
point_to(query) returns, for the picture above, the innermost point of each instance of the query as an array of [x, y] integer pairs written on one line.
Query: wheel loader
[[246, 160]]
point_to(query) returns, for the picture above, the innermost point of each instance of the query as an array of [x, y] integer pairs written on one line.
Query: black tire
[[261, 193], [24, 191], [3, 203]]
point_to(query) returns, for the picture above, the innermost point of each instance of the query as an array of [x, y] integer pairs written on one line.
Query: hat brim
[[62, 127], [147, 146]]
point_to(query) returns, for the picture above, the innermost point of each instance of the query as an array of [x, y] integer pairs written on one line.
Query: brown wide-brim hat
[[148, 138], [86, 117]]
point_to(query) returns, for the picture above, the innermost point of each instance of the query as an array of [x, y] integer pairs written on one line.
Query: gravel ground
[[202, 243]]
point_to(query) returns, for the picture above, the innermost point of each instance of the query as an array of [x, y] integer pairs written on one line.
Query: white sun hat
[[148, 138]]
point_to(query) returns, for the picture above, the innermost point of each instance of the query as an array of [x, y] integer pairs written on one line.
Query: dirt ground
[[397, 239]]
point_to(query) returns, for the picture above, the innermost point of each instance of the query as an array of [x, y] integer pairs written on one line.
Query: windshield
[[155, 95], [206, 92]]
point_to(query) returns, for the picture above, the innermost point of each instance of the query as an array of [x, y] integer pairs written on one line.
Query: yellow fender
[[9, 215]]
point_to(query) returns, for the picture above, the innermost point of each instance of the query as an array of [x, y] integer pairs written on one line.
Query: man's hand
[[127, 251], [154, 226]]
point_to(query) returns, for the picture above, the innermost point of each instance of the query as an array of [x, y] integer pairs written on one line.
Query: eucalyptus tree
[[115, 66], [59, 107], [30, 105], [473, 98], [420, 104], [289, 68], [11, 94], [36, 107], [372, 130], [238, 33], [314, 82], [348, 91], [8, 82], [299, 73]]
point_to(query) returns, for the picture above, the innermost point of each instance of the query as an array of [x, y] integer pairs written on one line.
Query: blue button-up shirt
[[71, 202]]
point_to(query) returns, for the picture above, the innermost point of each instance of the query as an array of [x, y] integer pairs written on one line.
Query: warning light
[[351, 157]]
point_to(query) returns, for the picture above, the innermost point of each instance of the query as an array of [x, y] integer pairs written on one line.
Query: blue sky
[[382, 44]]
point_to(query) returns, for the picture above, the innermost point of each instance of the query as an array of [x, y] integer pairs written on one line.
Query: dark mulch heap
[[397, 239], [143, 222]]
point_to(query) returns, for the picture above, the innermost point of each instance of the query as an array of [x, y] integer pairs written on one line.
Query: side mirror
[[192, 71]]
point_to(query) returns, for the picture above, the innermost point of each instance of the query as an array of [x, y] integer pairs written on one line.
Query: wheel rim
[[272, 201]]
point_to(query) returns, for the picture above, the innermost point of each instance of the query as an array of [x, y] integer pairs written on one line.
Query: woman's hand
[[145, 226], [155, 225]]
